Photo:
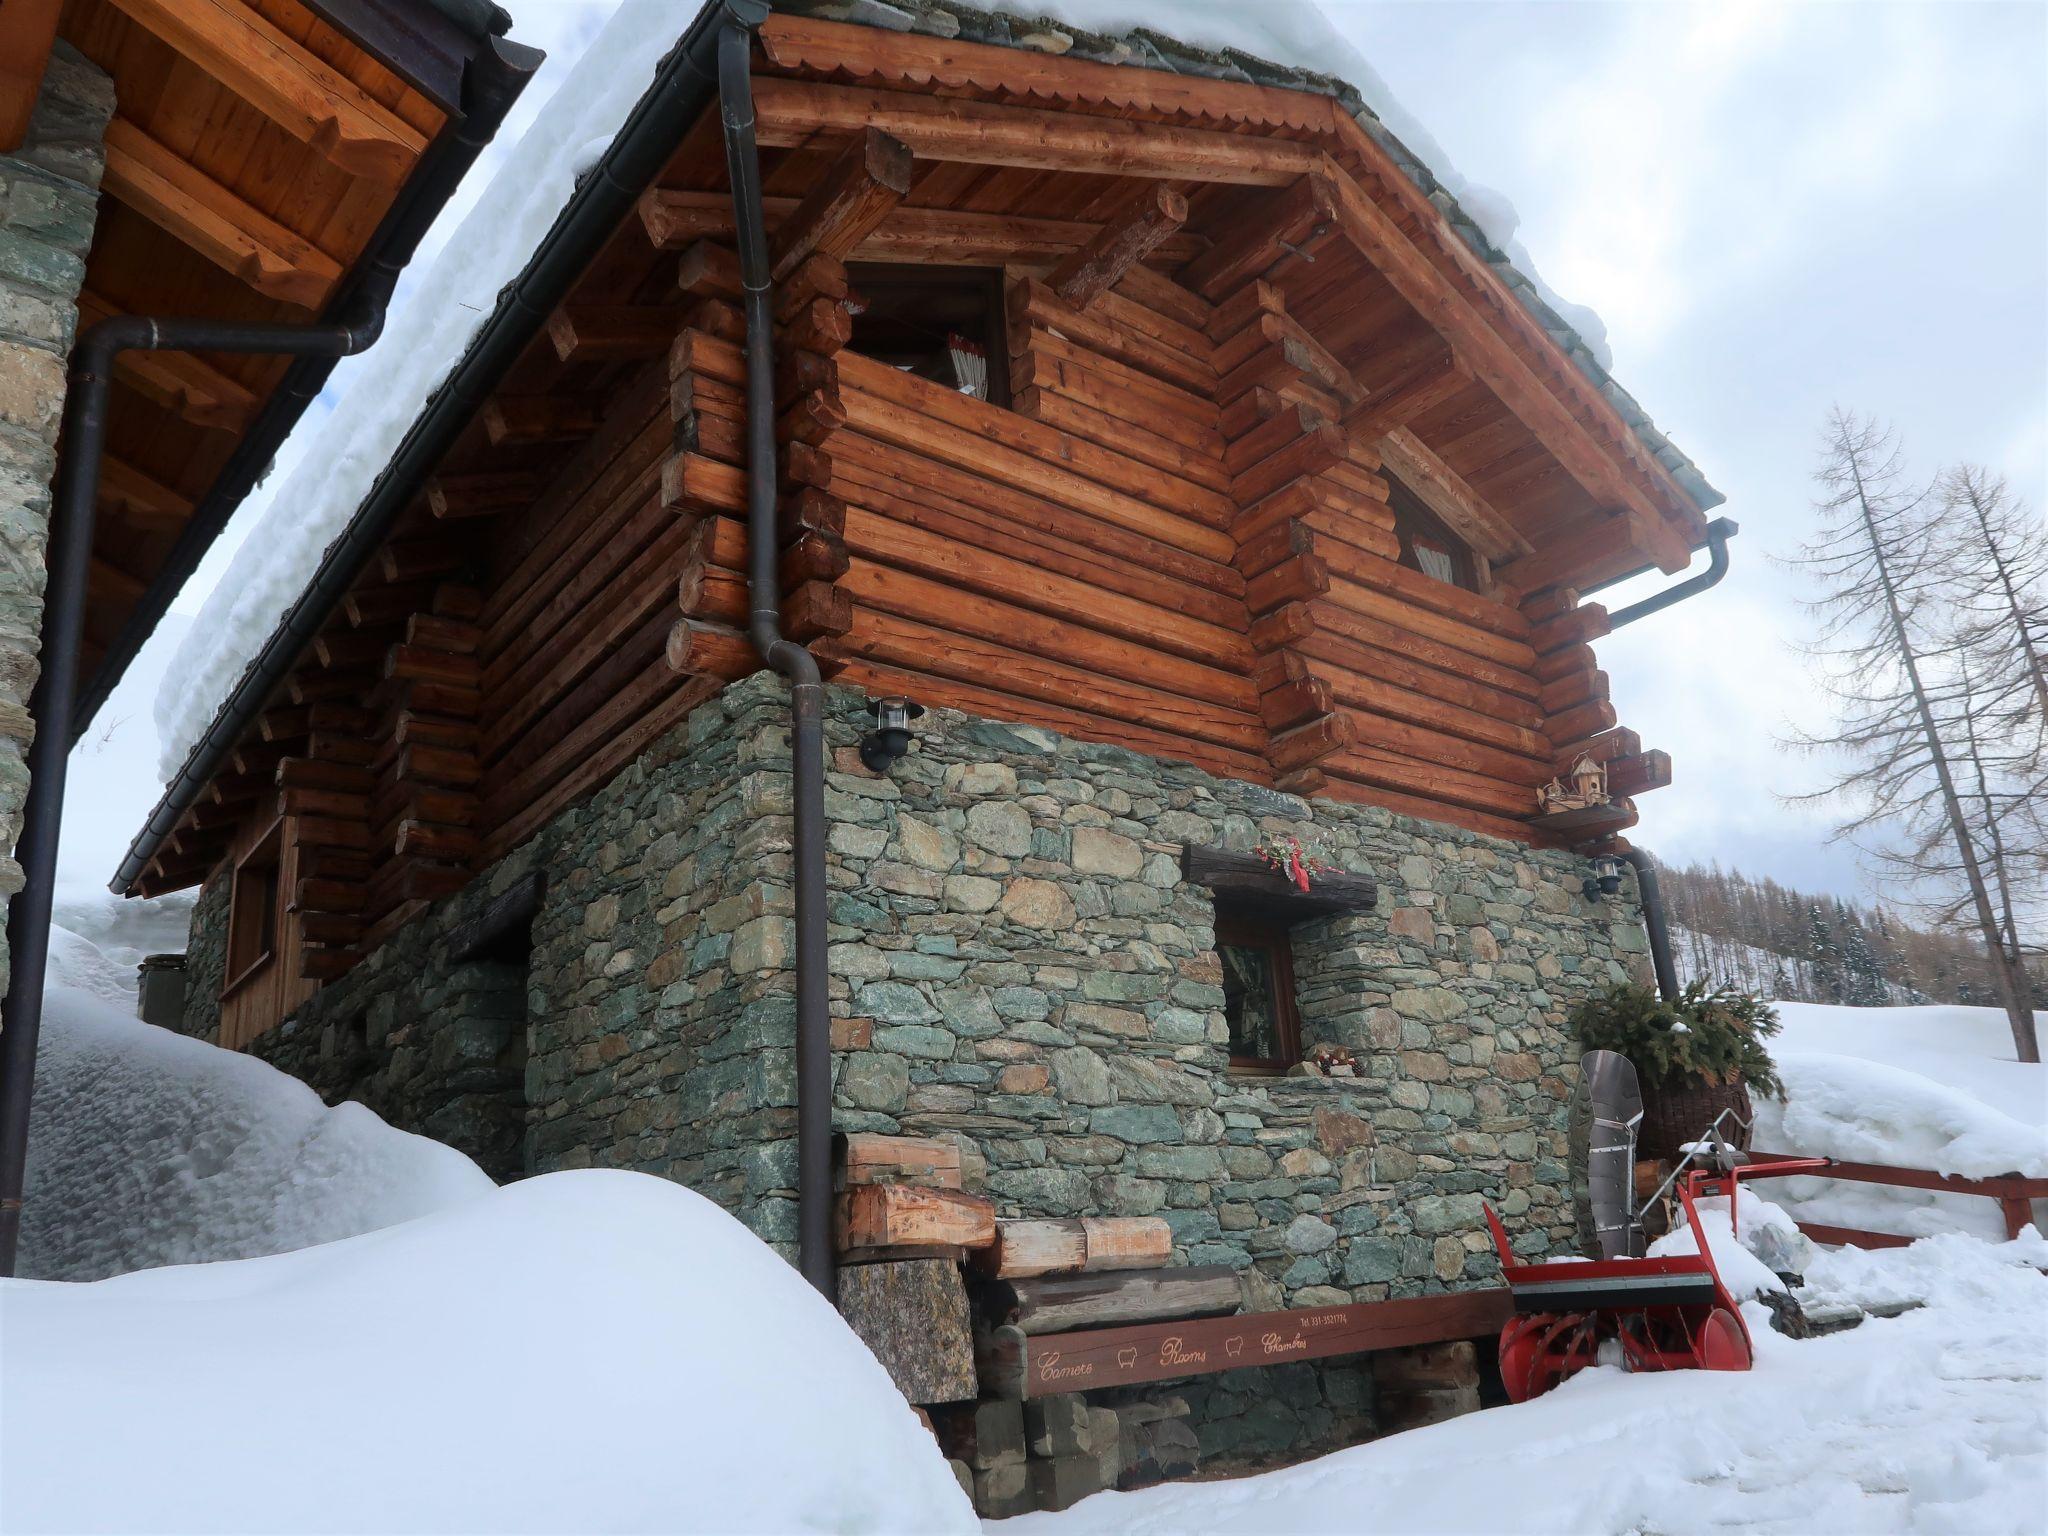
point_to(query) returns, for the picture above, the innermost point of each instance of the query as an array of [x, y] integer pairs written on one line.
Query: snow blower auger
[[1667, 1314]]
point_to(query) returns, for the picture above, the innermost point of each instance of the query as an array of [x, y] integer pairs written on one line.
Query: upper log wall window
[[1258, 990], [1426, 544], [940, 323], [252, 910]]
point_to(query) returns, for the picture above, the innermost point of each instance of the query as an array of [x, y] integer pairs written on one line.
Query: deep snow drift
[[146, 1148], [591, 1351], [1933, 1087], [1934, 1421]]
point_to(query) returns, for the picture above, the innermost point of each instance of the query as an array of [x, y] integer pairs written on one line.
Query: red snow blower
[[1667, 1314]]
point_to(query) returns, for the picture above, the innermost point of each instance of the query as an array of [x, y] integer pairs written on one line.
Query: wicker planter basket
[[1679, 1111]]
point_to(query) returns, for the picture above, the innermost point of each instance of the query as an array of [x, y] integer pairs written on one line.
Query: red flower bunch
[[1287, 859]]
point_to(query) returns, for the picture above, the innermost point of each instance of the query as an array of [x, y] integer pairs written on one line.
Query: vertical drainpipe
[[1653, 921], [786, 656]]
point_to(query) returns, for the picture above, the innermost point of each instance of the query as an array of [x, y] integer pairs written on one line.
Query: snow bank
[[1931, 1087], [590, 1351], [147, 1148], [1936, 1421], [386, 389]]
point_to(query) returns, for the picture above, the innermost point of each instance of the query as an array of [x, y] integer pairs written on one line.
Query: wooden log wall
[[1177, 538]]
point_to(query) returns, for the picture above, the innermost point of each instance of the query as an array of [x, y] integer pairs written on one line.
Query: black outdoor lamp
[[890, 738], [1605, 879]]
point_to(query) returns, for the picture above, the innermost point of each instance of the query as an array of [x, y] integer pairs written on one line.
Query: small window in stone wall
[[1258, 991]]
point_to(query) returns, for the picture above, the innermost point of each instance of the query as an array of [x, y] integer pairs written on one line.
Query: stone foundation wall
[[1017, 965], [49, 196], [1020, 965]]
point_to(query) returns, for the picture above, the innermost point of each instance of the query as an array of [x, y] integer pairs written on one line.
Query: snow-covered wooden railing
[[2015, 1196]]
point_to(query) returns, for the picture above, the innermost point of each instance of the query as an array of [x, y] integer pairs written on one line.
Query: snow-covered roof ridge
[[1128, 32]]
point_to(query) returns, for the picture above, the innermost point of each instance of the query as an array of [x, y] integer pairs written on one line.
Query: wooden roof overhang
[[1021, 159], [261, 152]]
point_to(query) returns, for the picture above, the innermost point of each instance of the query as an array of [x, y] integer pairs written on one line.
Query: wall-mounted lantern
[[890, 738]]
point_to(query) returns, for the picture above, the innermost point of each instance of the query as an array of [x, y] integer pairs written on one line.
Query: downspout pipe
[[54, 700], [1653, 922], [1719, 532], [786, 656]]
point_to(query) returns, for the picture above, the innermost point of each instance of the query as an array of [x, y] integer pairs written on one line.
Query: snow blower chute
[[1667, 1314]]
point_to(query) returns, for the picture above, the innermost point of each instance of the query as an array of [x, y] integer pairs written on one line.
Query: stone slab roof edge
[[1145, 48]]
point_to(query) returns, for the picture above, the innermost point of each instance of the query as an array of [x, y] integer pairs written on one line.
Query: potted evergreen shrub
[[1694, 1056]]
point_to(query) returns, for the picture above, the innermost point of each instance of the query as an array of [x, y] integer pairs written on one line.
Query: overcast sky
[[1775, 209]]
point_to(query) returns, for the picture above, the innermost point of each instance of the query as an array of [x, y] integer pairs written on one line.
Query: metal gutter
[[1653, 921], [683, 86], [1719, 532]]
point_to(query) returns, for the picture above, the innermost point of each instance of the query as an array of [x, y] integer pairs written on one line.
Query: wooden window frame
[[1238, 929], [910, 275], [266, 854], [1413, 519]]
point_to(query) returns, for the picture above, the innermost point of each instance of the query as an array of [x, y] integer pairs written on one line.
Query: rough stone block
[[913, 1314], [1055, 1426], [1061, 1482], [1158, 1451], [1101, 1432], [1000, 1492], [985, 1434]]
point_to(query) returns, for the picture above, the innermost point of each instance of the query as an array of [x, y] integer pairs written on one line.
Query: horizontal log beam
[[676, 220], [856, 193], [790, 113], [1127, 239]]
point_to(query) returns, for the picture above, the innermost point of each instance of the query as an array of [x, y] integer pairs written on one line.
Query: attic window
[[1426, 544], [252, 910], [940, 323]]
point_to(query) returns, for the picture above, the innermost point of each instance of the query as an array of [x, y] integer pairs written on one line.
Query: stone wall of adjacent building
[[49, 194]]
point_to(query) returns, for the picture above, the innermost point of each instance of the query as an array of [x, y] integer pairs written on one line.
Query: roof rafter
[[185, 202], [303, 95]]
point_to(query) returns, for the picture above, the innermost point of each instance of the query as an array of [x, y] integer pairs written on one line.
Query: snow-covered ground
[[592, 1351], [1933, 1421], [1931, 1087], [607, 1351]]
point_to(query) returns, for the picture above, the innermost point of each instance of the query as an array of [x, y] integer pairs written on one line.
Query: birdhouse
[[1584, 787], [1589, 781]]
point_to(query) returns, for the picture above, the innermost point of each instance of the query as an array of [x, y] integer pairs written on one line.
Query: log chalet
[[1008, 600]]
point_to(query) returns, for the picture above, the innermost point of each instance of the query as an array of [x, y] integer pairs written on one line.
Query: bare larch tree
[[1889, 660]]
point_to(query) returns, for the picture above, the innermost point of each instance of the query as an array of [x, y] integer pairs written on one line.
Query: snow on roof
[[1286, 43], [383, 392]]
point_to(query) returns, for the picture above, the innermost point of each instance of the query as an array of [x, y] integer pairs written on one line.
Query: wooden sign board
[[1015, 1365]]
